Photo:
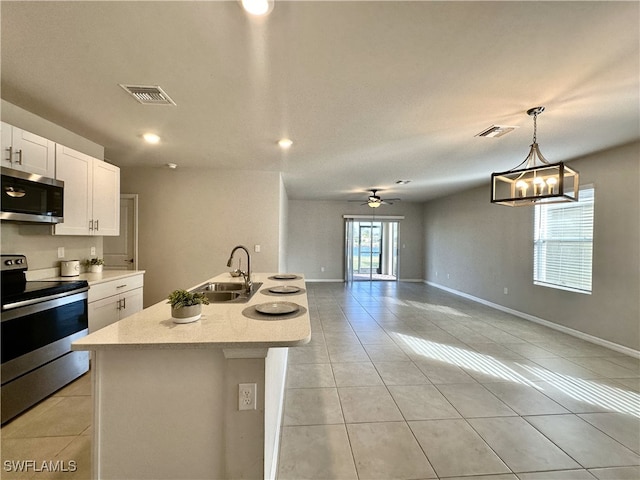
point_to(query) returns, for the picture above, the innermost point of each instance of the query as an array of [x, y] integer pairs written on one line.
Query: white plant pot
[[95, 268], [186, 314]]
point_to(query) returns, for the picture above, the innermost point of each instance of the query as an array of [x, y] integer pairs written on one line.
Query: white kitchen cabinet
[[114, 300], [26, 151], [91, 194]]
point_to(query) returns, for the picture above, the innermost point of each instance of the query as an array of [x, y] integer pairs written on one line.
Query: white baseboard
[[570, 331]]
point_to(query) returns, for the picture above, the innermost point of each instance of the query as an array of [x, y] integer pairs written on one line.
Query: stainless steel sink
[[227, 292], [220, 287]]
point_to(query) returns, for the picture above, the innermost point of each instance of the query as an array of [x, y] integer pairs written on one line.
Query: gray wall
[[478, 248], [316, 237], [190, 219]]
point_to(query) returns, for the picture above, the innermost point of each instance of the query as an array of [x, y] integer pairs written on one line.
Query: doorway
[[371, 250], [121, 252]]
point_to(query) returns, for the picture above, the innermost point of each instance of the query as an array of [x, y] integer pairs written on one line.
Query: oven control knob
[[19, 261], [8, 262]]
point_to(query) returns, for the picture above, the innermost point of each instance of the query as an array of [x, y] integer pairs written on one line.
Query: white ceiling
[[370, 92]]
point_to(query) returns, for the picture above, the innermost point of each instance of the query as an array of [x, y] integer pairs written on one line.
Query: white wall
[[478, 248], [316, 237], [190, 220]]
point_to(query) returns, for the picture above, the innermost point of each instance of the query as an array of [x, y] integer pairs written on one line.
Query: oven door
[[36, 350], [28, 197]]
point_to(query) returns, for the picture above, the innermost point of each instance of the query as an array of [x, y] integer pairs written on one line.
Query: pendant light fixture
[[539, 182]]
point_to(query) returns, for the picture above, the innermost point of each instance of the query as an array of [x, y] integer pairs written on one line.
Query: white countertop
[[104, 276], [222, 325]]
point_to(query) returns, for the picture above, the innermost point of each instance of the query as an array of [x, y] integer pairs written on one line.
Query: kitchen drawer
[[102, 290]]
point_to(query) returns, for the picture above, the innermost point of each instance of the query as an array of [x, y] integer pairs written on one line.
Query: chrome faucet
[[246, 275]]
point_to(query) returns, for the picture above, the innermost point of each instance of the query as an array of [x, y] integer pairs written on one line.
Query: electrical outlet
[[60, 252], [506, 291], [256, 248], [247, 396], [93, 250]]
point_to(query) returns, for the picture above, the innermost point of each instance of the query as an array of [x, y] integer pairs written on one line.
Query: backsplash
[[41, 247]]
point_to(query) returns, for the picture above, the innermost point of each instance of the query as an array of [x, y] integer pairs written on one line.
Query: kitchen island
[[166, 401]]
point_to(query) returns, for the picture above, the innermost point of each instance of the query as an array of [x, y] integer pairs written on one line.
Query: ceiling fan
[[374, 201]]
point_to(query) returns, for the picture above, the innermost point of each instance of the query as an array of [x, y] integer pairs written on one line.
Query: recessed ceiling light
[[285, 143], [151, 138], [257, 7], [172, 166]]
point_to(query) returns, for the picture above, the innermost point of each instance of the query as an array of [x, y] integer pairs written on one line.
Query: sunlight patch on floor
[[461, 357]]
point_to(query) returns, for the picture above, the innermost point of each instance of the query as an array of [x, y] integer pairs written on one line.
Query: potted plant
[[186, 307], [94, 264]]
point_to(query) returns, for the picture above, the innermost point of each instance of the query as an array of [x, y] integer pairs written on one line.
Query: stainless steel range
[[40, 319]]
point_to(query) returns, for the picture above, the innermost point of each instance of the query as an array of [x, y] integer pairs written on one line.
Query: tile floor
[[406, 381], [56, 431]]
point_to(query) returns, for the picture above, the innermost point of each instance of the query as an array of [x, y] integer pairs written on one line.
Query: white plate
[[285, 276], [277, 308], [284, 289]]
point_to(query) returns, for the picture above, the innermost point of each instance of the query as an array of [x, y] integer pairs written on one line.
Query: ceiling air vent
[[495, 131], [148, 94]]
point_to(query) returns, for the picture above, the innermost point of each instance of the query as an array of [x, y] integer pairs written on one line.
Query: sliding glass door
[[371, 249]]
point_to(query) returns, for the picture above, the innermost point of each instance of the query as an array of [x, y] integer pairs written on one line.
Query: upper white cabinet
[[91, 194], [27, 151]]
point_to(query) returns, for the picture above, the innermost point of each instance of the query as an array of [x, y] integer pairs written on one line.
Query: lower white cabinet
[[114, 300]]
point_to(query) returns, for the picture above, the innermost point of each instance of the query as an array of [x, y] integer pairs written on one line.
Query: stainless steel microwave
[[27, 197]]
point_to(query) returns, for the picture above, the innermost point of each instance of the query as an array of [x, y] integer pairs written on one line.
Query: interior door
[[121, 252]]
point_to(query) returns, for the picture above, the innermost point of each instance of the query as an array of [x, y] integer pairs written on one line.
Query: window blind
[[563, 244]]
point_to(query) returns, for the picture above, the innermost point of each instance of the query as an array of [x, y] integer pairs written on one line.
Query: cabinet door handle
[[10, 158], [90, 225], [97, 225], [122, 286], [119, 307], [124, 303], [19, 161]]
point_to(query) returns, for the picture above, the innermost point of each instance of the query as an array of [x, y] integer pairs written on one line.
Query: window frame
[[543, 240]]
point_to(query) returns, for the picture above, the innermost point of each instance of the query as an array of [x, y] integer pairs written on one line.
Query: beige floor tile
[[368, 404], [316, 452], [530, 351], [622, 427], [356, 374], [385, 353], [504, 476], [377, 337], [454, 449], [521, 446], [605, 368], [312, 406], [387, 450], [616, 473], [347, 353], [310, 375], [75, 459], [588, 396], [525, 399], [584, 442], [422, 402], [68, 416], [308, 354], [566, 367], [440, 373], [16, 451], [474, 400], [557, 475], [625, 361], [400, 373]]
